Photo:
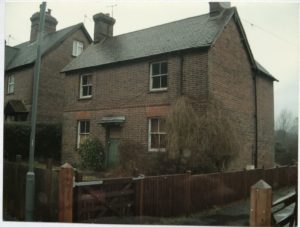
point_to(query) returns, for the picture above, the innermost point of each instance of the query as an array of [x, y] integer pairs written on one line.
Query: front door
[[114, 135], [113, 153]]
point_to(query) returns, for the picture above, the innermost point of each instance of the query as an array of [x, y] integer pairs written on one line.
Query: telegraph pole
[[30, 178]]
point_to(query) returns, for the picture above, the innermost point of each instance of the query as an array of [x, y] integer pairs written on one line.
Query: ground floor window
[[157, 134], [83, 131]]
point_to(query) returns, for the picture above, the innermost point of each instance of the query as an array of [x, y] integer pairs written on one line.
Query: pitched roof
[[194, 32], [25, 53], [264, 71], [10, 52]]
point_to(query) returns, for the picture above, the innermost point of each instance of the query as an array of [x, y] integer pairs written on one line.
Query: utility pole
[[30, 178]]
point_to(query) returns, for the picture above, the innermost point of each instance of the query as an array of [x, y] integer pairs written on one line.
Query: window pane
[[85, 91], [155, 69], [163, 141], [154, 125], [84, 80], [156, 82], [162, 125], [87, 127], [164, 68], [82, 127], [89, 90], [154, 140], [164, 81]]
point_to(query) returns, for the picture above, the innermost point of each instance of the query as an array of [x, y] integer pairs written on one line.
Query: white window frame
[[79, 134], [159, 75], [159, 133], [77, 48], [90, 84], [10, 84]]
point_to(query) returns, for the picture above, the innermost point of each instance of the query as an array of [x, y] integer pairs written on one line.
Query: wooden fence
[[14, 187], [180, 194], [155, 196]]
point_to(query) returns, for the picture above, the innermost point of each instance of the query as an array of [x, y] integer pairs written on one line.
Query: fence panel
[[206, 191], [14, 189], [233, 186], [165, 196]]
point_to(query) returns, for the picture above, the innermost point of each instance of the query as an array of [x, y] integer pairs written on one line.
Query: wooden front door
[[113, 153]]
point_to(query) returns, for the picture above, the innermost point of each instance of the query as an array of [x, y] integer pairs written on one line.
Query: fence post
[[66, 193], [139, 199], [260, 204], [188, 192]]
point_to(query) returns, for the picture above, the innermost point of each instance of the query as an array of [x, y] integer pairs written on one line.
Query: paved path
[[235, 214]]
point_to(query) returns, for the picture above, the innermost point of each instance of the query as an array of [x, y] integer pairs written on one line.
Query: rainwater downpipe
[[256, 121], [181, 74]]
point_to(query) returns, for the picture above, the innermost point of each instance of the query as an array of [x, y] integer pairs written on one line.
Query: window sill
[[85, 98], [11, 93], [158, 90], [157, 150]]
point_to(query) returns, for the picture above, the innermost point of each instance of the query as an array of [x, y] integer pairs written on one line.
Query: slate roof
[[25, 53], [10, 52], [263, 70], [195, 32]]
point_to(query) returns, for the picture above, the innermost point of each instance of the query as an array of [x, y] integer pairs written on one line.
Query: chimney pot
[[104, 26], [50, 24]]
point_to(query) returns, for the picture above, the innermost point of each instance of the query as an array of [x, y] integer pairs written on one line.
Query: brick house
[[58, 49], [122, 87]]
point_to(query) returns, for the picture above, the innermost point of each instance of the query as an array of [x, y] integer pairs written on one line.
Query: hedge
[[17, 136]]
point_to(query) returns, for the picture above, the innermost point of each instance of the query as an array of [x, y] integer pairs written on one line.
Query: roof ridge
[[160, 25]]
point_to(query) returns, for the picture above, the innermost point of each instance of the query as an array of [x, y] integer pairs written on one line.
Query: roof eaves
[[66, 70]]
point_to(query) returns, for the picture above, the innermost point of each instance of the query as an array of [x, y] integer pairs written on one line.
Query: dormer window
[[159, 76], [11, 84], [86, 86], [77, 48]]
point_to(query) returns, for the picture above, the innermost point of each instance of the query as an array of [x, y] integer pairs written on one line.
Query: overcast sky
[[271, 29]]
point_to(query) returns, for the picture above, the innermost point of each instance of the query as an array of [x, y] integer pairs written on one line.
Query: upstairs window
[[11, 84], [157, 134], [83, 131], [158, 76], [77, 48], [86, 86]]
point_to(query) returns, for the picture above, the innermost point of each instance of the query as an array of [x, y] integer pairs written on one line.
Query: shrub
[[17, 136], [203, 142], [132, 160], [92, 154]]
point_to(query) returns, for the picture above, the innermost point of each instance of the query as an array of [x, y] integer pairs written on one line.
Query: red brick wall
[[231, 83], [23, 86], [51, 82], [124, 90], [50, 99], [265, 116]]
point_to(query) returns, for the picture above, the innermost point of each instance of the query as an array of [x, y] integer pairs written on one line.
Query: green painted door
[[113, 153]]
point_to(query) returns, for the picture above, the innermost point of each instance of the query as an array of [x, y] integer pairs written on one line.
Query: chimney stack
[[104, 26], [215, 8], [50, 24]]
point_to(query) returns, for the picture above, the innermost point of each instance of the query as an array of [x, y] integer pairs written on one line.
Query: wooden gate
[[96, 200]]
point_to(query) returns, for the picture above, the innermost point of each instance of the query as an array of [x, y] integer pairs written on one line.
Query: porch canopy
[[112, 121]]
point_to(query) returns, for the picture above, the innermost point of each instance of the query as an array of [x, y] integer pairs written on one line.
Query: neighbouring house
[[58, 49], [122, 87]]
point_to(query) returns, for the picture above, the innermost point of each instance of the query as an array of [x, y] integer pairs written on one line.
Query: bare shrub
[[202, 141], [132, 160]]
